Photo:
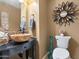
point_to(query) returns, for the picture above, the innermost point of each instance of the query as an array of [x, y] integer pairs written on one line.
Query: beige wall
[[14, 16], [43, 28], [72, 30]]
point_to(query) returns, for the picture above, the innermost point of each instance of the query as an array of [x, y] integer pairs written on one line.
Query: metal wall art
[[65, 13]]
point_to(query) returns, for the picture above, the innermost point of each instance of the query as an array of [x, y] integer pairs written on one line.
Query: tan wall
[[14, 16], [0, 21], [43, 28], [72, 30]]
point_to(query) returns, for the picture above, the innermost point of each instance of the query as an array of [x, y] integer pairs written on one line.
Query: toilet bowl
[[61, 51]]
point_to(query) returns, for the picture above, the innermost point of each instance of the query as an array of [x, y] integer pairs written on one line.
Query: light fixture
[[29, 1], [21, 1]]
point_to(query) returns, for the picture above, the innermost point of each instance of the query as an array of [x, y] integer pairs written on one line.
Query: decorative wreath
[[65, 13]]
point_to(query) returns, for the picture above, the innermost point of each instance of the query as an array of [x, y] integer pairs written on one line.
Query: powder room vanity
[[12, 48], [14, 17]]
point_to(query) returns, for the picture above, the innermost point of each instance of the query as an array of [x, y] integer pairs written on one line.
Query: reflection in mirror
[[10, 14], [33, 11], [13, 13]]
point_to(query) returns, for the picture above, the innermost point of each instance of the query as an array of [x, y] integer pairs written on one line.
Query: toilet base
[[58, 58], [66, 58]]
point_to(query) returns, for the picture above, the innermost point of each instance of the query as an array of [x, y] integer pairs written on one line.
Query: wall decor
[[65, 13]]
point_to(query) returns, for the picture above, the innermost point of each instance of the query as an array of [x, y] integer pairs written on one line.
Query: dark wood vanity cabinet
[[13, 48]]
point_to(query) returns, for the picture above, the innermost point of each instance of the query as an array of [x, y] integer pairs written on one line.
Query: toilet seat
[[60, 53]]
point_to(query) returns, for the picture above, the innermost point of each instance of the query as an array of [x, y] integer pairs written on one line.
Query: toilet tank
[[62, 41]]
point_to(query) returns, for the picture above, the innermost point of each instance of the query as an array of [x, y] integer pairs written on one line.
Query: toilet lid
[[60, 53]]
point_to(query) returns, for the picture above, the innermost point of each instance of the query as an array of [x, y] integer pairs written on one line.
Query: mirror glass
[[63, 14], [15, 13], [10, 14]]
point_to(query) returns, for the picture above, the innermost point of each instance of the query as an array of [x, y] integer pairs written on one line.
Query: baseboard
[[45, 56]]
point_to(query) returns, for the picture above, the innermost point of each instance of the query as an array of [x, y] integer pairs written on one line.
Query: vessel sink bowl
[[20, 37]]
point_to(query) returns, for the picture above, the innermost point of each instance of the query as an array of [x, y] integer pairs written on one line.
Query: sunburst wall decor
[[65, 13]]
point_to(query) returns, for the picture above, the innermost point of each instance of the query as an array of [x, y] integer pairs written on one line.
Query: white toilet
[[61, 51]]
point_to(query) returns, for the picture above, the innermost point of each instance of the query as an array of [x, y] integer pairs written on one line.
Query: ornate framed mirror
[[11, 12], [65, 13]]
